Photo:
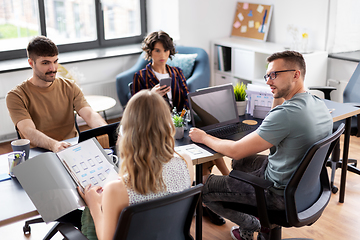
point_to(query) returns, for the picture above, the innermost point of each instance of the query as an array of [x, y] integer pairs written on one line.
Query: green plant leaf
[[240, 92]]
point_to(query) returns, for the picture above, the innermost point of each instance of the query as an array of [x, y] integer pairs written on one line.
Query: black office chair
[[306, 194], [109, 129], [168, 217], [351, 95]]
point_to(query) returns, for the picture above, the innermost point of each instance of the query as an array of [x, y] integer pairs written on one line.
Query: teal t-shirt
[[292, 128]]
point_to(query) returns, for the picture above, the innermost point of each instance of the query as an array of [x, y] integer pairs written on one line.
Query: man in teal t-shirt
[[296, 121]]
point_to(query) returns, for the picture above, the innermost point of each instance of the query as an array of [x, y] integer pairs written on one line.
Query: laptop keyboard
[[229, 130]]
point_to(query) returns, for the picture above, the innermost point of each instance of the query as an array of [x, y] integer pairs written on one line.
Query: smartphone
[[165, 81]]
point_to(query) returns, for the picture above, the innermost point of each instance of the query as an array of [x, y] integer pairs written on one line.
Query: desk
[[343, 111], [11, 212], [100, 103], [15, 203], [198, 168]]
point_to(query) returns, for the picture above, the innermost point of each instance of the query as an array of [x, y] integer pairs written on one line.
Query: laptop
[[214, 110]]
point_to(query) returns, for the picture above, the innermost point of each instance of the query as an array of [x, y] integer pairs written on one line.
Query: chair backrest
[[308, 190], [109, 130], [168, 217], [351, 92]]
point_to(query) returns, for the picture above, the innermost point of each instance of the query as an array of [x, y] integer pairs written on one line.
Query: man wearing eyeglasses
[[296, 121]]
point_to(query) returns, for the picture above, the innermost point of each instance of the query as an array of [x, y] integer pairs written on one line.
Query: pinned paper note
[[251, 24], [260, 8], [240, 16], [252, 20], [237, 24]]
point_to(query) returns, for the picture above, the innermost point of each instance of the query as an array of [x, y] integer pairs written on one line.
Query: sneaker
[[235, 233]]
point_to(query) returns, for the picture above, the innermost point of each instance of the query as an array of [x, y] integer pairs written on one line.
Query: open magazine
[[50, 179]]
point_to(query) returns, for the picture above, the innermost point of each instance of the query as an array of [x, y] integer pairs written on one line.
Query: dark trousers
[[218, 189], [73, 218]]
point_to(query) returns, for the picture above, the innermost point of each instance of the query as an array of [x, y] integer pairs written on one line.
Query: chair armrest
[[70, 232], [259, 185], [251, 179], [325, 89]]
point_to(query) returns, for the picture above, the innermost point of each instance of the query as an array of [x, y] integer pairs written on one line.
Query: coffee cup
[[14, 159], [112, 156], [22, 145]]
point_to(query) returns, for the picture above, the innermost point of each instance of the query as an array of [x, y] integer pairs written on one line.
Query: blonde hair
[[146, 141]]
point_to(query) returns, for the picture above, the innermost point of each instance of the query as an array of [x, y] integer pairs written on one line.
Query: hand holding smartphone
[[166, 82]]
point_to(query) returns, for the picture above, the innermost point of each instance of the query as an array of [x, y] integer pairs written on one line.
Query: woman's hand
[[161, 90], [91, 195]]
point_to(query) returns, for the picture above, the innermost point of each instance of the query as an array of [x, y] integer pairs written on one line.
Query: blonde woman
[[150, 167]]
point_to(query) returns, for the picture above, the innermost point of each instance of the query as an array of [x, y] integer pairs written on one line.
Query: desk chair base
[[335, 162], [352, 167], [26, 227]]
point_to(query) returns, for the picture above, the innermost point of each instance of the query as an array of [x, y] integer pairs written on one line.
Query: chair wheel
[[334, 189], [26, 229]]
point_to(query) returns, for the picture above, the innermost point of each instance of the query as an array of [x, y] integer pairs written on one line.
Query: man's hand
[[58, 146], [197, 135], [161, 90]]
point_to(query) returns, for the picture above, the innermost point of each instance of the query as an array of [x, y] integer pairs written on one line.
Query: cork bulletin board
[[252, 20]]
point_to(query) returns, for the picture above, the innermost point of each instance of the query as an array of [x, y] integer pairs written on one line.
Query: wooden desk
[[339, 112]]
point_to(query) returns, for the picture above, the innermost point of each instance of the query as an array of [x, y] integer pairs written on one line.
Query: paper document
[[193, 150], [87, 164]]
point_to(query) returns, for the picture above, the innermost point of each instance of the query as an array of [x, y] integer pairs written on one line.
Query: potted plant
[[240, 97], [179, 126]]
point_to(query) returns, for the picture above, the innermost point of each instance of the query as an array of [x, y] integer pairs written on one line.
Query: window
[[71, 24]]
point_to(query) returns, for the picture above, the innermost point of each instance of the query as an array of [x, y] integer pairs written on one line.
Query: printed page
[[49, 186], [87, 163], [193, 150]]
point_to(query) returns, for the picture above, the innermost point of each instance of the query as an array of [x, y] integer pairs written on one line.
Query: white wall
[[204, 20]]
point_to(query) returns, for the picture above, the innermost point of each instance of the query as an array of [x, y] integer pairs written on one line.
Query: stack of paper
[[258, 96]]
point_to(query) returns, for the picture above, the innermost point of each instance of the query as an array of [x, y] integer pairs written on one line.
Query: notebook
[[214, 110]]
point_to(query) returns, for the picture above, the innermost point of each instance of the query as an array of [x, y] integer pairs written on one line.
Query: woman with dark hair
[[159, 47]]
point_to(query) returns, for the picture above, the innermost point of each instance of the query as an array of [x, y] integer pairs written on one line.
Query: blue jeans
[[218, 189]]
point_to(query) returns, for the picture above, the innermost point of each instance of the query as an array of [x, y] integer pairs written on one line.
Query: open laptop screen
[[213, 107]]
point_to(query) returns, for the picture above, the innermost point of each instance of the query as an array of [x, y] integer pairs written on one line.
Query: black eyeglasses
[[273, 75]]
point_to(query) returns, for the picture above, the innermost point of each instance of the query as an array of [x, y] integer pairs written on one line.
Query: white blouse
[[175, 176]]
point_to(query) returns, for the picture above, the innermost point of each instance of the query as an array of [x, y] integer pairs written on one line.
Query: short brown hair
[[291, 58], [41, 46], [154, 37]]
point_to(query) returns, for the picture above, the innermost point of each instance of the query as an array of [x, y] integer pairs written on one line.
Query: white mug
[[112, 156]]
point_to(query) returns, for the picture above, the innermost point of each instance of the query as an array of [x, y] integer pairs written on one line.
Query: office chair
[[199, 78], [168, 217], [306, 194], [109, 130], [351, 95]]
